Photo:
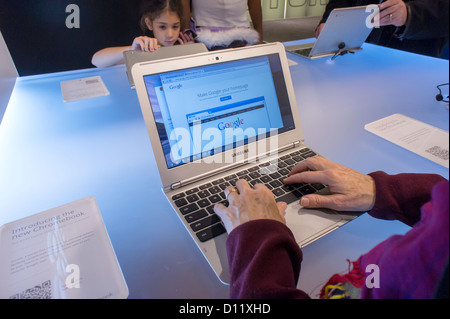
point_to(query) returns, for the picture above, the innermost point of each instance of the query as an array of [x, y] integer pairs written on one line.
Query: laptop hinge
[[287, 147], [179, 184], [175, 185]]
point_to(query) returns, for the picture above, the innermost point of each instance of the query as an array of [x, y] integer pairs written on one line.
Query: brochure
[[62, 253], [85, 88], [418, 137]]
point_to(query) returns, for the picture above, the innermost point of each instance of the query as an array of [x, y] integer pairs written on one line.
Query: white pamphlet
[[62, 253], [418, 137], [85, 88]]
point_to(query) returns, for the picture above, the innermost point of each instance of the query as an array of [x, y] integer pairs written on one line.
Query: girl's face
[[166, 28]]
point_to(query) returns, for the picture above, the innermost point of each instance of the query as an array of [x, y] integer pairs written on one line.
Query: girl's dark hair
[[152, 9]]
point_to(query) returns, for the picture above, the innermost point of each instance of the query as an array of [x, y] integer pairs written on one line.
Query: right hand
[[186, 38], [146, 44], [393, 12], [350, 190]]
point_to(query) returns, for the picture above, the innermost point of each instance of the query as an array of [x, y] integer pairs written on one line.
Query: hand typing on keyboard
[[266, 188], [350, 190], [197, 203], [249, 204]]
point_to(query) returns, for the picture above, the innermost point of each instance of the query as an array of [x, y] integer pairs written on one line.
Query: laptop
[[8, 76], [132, 57], [345, 29], [217, 117]]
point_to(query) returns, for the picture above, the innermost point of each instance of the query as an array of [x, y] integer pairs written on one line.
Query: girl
[[162, 19]]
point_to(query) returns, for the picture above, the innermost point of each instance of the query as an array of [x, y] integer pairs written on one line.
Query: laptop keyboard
[[197, 204], [304, 52]]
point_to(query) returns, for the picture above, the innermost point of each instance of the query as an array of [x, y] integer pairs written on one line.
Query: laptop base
[[195, 206]]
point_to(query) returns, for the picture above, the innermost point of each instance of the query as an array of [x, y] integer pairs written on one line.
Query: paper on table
[[85, 88], [61, 253], [418, 137]]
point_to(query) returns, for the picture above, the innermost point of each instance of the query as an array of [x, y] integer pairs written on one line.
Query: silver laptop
[[132, 57], [8, 76], [217, 117], [345, 29]]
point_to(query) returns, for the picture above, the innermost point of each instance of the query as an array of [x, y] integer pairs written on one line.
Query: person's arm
[[255, 10], [383, 196], [263, 256], [423, 250], [114, 55], [109, 56], [400, 197], [426, 19], [264, 261]]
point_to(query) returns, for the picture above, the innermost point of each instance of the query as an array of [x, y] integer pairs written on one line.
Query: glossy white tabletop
[[52, 153]]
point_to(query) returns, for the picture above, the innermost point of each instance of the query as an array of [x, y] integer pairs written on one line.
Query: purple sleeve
[[400, 197], [411, 265], [264, 261]]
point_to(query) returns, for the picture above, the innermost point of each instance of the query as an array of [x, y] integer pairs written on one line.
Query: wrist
[[371, 192], [400, 30]]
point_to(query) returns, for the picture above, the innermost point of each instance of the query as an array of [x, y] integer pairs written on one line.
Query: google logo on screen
[[222, 126]]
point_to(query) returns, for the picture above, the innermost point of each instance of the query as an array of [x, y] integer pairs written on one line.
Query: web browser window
[[204, 110]]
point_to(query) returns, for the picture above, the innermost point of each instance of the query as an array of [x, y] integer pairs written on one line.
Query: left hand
[[186, 38], [393, 12], [248, 204]]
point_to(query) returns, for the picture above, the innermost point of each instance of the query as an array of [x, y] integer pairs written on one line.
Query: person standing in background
[[223, 24], [418, 26]]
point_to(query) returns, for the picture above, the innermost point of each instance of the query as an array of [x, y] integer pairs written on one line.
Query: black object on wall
[[40, 41]]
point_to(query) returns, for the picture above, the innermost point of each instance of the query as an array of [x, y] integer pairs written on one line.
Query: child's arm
[[114, 55], [109, 56]]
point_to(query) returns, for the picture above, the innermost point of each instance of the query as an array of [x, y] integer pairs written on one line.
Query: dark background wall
[[40, 42]]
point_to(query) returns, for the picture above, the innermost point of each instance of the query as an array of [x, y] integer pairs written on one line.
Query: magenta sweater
[[265, 260]]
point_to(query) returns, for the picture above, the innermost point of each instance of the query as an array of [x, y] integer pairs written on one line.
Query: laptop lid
[[8, 76], [350, 26], [345, 25], [209, 112], [132, 57]]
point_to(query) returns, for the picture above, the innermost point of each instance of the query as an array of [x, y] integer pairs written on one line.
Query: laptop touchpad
[[308, 225]]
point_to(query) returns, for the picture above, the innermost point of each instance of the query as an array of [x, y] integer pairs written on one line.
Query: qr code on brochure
[[41, 291], [440, 152]]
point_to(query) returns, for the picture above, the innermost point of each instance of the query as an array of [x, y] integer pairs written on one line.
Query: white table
[[52, 153]]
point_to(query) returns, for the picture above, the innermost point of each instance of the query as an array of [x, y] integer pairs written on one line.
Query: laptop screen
[[206, 110]]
